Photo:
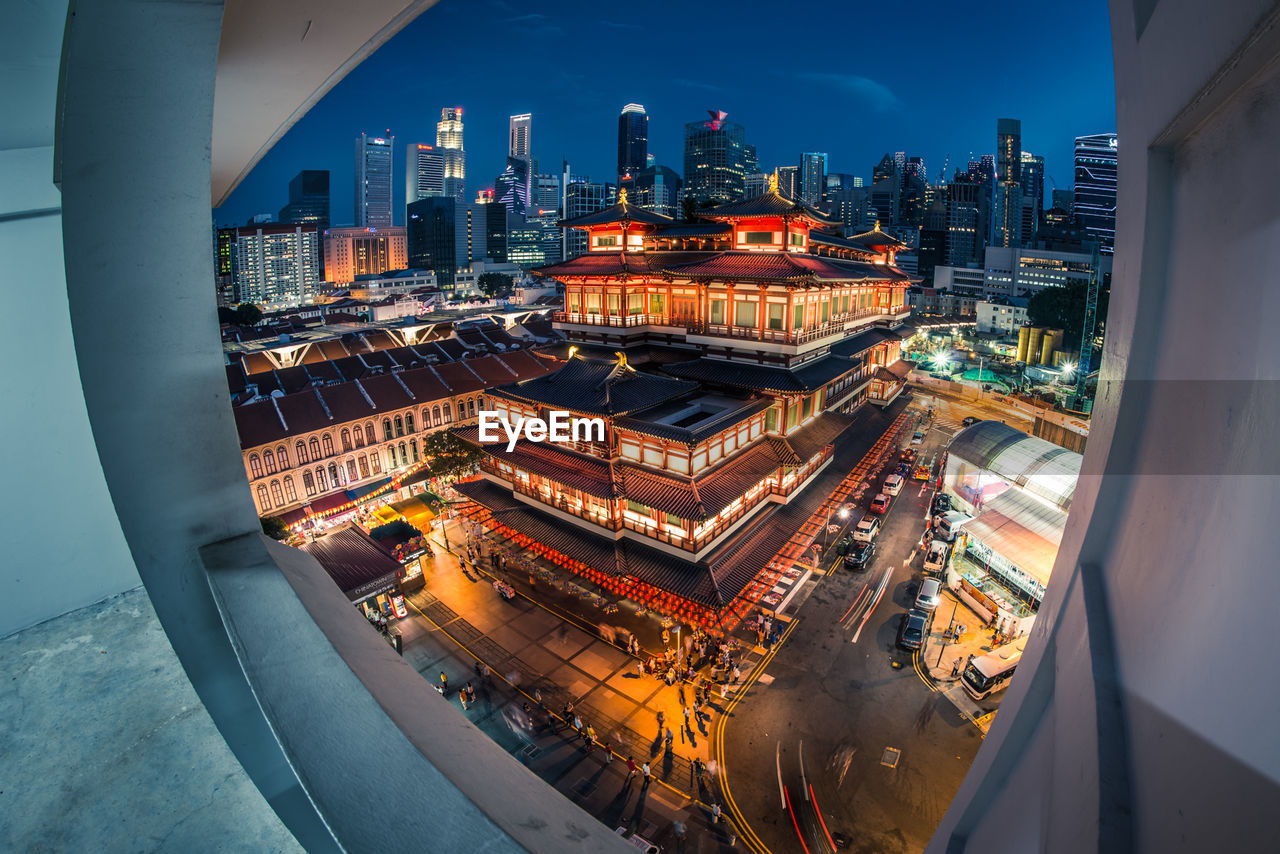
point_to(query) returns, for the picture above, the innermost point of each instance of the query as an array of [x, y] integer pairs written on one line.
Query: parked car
[[903, 469], [946, 526], [968, 421], [923, 471], [914, 629], [893, 484], [866, 529], [918, 437], [936, 557], [859, 554], [880, 504], [929, 596], [908, 454], [941, 503]]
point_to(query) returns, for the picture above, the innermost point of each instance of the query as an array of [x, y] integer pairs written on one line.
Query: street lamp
[[826, 534]]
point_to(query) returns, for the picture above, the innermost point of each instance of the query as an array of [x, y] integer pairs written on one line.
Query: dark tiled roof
[[763, 377], [703, 431], [693, 229], [782, 267], [864, 341], [662, 492], [596, 387], [876, 237], [589, 474], [621, 212], [821, 238], [728, 481], [595, 264], [815, 436], [353, 560], [769, 204]]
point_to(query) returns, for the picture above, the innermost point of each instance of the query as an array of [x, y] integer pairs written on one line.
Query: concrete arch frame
[[1134, 652]]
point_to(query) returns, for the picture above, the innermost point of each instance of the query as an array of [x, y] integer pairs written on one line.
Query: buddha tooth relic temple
[[733, 353]]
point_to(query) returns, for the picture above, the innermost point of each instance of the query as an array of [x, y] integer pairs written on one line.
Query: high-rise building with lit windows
[[715, 159], [1006, 214], [449, 141], [374, 172], [423, 172], [813, 178], [1094, 204], [633, 140], [520, 147], [275, 265]]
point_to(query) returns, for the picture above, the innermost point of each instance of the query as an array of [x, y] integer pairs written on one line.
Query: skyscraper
[[423, 172], [520, 145], [633, 140], [351, 252], [1094, 204], [1032, 183], [582, 197], [657, 188], [715, 159], [431, 227], [789, 182], [308, 199], [511, 188], [813, 178], [1006, 218], [373, 180], [449, 142], [276, 265]]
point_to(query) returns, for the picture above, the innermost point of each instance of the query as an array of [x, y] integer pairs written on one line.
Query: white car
[[917, 438], [928, 597], [893, 484], [867, 529], [936, 558]]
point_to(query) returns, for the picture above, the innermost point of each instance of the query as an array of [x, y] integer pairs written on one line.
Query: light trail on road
[[884, 582]]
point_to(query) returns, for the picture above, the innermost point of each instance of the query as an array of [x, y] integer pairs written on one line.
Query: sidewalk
[[945, 658], [459, 621]]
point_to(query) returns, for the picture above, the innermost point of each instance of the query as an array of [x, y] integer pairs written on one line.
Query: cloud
[[877, 95]]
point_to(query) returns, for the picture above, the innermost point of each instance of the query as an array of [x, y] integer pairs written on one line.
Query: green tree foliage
[[274, 527], [448, 453], [495, 284], [248, 314], [1063, 308]]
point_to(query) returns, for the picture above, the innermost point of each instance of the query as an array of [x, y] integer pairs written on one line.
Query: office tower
[[224, 266], [546, 193], [915, 192], [423, 172], [964, 222], [449, 142], [750, 160], [656, 188], [1063, 199], [431, 227], [755, 184], [351, 252], [788, 182], [373, 180], [813, 178], [275, 265], [583, 197], [1032, 185], [886, 187], [520, 146], [715, 160], [494, 218], [308, 200], [510, 189], [633, 140], [933, 239], [1094, 205], [1006, 213]]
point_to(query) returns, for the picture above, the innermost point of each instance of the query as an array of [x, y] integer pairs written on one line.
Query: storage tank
[[1024, 336], [1033, 345], [1052, 341]]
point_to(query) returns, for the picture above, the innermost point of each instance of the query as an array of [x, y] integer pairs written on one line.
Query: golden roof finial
[[573, 351], [622, 196], [877, 228], [773, 182], [622, 358]]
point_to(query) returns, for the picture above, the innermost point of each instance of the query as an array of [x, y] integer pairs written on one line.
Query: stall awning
[[362, 491], [419, 515], [1021, 546], [386, 514], [329, 502]]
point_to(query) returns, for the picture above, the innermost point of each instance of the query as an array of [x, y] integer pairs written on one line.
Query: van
[[893, 484], [946, 526], [936, 558]]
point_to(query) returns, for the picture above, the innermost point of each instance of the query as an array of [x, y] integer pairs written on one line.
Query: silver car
[[928, 597]]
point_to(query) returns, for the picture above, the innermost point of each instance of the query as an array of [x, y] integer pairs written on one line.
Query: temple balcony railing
[[591, 319], [831, 328]]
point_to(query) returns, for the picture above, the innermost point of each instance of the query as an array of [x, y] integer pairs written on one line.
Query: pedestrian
[[471, 692], [724, 691], [463, 698], [669, 738], [661, 719], [640, 668], [699, 768], [444, 682], [577, 725], [477, 669], [686, 717], [537, 696], [678, 828], [955, 667], [527, 709], [715, 813], [608, 752], [646, 773], [737, 674], [631, 768], [485, 672], [590, 734]]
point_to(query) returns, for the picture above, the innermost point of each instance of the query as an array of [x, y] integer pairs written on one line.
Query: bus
[[991, 673]]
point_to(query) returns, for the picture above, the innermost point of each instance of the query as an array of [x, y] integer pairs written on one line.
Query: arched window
[[359, 436], [471, 408], [391, 457], [263, 501], [399, 426], [277, 494], [289, 492], [375, 462], [315, 448], [346, 439], [413, 447], [404, 455], [301, 450], [322, 481], [364, 465], [255, 466], [269, 460], [351, 471], [283, 456], [435, 414], [308, 483], [448, 417], [335, 474], [387, 435], [408, 422], [369, 436], [326, 442]]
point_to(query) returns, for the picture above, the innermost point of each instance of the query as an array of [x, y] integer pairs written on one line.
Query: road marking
[[803, 782]]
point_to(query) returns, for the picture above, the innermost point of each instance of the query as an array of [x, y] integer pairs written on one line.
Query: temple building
[[728, 355]]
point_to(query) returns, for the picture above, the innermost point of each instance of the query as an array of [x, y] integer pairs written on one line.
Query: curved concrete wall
[[1140, 717]]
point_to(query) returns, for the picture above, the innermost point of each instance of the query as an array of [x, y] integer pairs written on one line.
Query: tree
[[226, 315], [1063, 308], [248, 314], [274, 527], [448, 453], [689, 206], [495, 284]]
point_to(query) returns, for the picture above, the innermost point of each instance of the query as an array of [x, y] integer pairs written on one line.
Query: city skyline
[[855, 118]]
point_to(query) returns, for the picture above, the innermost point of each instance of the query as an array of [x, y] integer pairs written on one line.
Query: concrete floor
[[105, 747]]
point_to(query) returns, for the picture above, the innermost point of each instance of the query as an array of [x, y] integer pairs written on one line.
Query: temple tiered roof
[[597, 387], [806, 378], [770, 204], [877, 239], [621, 213]]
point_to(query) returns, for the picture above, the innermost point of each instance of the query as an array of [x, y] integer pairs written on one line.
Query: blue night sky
[[854, 80]]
